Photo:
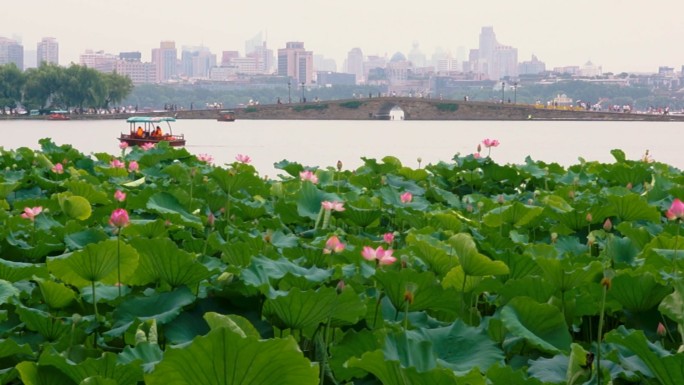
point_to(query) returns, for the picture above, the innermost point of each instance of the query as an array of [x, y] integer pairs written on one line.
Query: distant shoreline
[[379, 108]]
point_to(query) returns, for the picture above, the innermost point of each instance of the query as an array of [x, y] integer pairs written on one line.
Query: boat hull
[[172, 140]]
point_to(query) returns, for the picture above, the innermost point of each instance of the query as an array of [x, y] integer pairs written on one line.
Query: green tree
[[11, 84], [117, 88], [83, 87], [43, 86]]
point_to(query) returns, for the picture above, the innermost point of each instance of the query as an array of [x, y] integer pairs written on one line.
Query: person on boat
[[157, 132], [139, 133]]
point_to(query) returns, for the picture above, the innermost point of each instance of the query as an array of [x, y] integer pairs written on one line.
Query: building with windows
[[98, 60], [296, 62], [256, 49], [355, 65], [11, 51], [197, 62], [47, 51], [130, 65], [532, 67], [495, 61], [165, 59]]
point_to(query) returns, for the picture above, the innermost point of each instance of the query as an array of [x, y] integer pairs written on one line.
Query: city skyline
[[619, 38]]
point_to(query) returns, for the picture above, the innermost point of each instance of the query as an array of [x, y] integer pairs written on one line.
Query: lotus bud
[[629, 186], [607, 225], [500, 199], [339, 165], [76, 318], [225, 278], [554, 237], [340, 286], [589, 217], [661, 329]]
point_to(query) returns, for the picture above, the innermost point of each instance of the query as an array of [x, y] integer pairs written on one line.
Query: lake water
[[323, 143]]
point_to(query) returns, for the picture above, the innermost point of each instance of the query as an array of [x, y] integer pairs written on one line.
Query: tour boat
[[59, 115], [226, 116], [146, 129]]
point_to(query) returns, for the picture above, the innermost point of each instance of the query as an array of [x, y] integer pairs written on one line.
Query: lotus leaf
[[542, 325], [223, 357]]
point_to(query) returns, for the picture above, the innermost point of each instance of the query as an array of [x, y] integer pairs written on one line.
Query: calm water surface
[[323, 143]]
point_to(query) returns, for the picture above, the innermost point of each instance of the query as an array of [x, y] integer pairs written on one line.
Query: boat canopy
[[59, 112], [150, 119], [227, 112]]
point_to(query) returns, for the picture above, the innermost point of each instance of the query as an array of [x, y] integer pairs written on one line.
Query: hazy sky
[[619, 35]]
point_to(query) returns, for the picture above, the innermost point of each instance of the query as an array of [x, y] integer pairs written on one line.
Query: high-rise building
[[165, 59], [296, 62], [532, 67], [98, 60], [11, 51], [196, 62], [495, 61], [228, 56], [256, 49], [130, 64], [47, 51], [355, 64]]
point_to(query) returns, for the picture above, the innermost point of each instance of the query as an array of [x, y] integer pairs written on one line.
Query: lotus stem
[[118, 262], [605, 282], [92, 286], [674, 257], [319, 218]]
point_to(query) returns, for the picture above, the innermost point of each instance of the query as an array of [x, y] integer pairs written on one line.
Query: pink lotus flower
[[406, 197], [117, 164], [243, 158], [205, 158], [119, 218], [123, 145], [676, 210], [120, 195], [382, 256], [58, 168], [490, 143], [333, 245], [31, 213], [388, 238], [147, 146], [308, 175], [333, 206], [133, 166], [477, 155]]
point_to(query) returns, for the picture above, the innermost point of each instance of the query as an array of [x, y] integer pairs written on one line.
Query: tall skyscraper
[[47, 51], [296, 62], [256, 49], [165, 59], [355, 64], [11, 51], [495, 60], [196, 62]]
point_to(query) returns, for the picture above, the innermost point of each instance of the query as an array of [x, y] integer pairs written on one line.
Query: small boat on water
[[58, 115], [226, 116], [146, 129]]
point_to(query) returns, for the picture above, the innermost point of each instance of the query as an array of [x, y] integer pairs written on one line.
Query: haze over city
[[617, 35]]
